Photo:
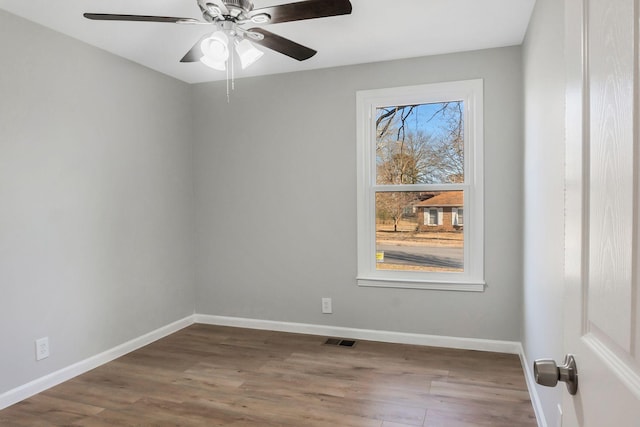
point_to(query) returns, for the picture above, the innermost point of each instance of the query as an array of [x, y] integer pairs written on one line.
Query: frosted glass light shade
[[247, 53], [216, 65], [215, 50]]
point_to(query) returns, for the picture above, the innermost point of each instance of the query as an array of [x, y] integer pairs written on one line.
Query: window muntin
[[415, 143]]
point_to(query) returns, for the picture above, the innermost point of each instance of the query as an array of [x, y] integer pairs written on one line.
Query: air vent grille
[[340, 342]]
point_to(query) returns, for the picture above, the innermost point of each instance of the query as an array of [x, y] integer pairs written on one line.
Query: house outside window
[[446, 205], [420, 151]]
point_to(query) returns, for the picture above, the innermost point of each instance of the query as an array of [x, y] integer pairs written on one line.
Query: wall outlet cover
[[42, 348], [326, 306]]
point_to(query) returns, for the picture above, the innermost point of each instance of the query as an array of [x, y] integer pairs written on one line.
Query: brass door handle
[[547, 373]]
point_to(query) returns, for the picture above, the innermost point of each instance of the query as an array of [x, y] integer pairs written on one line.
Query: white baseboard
[[43, 383], [533, 391], [511, 347]]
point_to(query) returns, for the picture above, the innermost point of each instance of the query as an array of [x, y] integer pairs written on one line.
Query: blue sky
[[418, 120]]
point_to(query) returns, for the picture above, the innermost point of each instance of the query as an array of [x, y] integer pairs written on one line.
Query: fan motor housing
[[245, 5], [237, 9]]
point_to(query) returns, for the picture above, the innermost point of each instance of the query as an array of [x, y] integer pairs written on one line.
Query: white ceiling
[[377, 30]]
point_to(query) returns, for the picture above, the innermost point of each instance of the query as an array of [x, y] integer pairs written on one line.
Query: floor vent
[[340, 342]]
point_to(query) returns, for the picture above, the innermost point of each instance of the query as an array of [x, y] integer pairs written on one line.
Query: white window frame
[[368, 101]]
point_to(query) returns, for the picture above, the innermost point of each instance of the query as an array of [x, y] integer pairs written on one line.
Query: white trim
[[440, 216], [533, 390], [455, 217], [410, 284], [43, 383], [511, 347]]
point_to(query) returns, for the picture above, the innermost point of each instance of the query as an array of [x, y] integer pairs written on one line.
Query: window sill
[[427, 285]]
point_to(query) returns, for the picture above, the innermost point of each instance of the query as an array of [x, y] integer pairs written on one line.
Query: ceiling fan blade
[[309, 9], [115, 17], [282, 45], [195, 53]]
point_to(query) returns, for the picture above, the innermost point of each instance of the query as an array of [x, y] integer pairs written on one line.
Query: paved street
[[423, 255]]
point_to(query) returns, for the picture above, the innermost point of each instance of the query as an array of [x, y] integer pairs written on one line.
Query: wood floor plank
[[476, 392], [220, 376]]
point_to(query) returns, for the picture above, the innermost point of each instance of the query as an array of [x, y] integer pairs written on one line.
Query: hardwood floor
[[219, 376]]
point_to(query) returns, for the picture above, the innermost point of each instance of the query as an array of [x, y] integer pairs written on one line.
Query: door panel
[[610, 81], [601, 212]]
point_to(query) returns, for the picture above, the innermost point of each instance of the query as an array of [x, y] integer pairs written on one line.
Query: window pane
[[433, 217], [420, 144], [416, 231]]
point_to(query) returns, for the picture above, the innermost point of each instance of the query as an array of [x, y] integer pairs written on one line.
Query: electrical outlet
[[326, 306], [42, 348]]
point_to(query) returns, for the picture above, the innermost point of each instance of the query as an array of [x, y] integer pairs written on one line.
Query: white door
[[602, 214]]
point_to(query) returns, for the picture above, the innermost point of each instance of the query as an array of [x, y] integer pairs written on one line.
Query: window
[[433, 217], [457, 217], [420, 151]]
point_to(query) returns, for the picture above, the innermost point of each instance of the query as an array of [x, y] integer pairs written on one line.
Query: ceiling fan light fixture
[[216, 65], [216, 47], [247, 53]]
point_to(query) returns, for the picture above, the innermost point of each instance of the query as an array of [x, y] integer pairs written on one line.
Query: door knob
[[547, 373]]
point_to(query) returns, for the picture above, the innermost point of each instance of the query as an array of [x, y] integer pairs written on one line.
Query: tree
[[394, 205], [447, 156], [403, 161], [429, 151], [413, 151]]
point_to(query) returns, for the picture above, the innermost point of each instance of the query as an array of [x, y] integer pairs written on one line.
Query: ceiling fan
[[230, 16]]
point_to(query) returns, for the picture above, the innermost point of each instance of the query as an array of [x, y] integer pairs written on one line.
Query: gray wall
[[544, 81], [96, 200], [276, 200], [98, 210]]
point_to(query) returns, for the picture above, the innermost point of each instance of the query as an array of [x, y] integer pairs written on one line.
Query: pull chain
[[228, 97], [233, 76]]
